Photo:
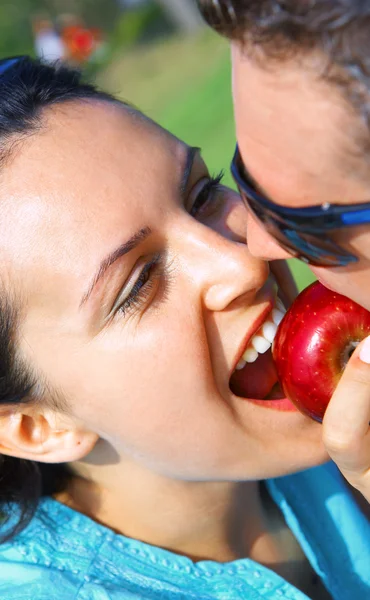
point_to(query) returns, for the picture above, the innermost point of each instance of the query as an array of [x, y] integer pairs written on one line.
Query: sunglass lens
[[312, 249]]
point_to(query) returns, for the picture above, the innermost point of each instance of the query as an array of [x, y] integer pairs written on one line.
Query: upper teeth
[[263, 338]]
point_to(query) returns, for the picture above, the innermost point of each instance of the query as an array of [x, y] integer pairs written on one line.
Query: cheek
[[358, 240], [352, 281], [144, 400], [133, 386]]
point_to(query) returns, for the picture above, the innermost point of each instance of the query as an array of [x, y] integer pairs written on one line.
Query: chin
[[283, 460], [298, 464], [274, 469]]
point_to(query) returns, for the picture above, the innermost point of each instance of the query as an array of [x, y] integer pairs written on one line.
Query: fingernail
[[365, 351]]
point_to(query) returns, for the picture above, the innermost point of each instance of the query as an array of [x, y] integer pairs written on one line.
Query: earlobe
[[40, 437]]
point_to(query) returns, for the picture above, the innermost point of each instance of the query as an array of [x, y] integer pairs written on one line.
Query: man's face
[[297, 139]]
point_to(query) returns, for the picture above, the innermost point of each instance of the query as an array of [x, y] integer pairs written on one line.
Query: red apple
[[313, 344]]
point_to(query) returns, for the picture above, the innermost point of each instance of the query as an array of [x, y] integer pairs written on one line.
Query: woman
[[128, 303]]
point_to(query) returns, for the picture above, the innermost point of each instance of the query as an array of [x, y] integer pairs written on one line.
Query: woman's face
[[140, 296]]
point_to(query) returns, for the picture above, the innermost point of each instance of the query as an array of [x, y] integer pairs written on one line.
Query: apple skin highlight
[[313, 344]]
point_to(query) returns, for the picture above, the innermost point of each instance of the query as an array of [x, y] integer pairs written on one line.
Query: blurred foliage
[[123, 28], [16, 19], [15, 28], [138, 25]]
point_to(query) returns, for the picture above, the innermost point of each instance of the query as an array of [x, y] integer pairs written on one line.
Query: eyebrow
[[191, 153], [141, 235], [107, 262]]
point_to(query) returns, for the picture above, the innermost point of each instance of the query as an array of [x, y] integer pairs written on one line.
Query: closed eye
[[141, 288]]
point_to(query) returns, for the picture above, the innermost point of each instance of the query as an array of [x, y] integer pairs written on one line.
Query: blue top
[[63, 555]]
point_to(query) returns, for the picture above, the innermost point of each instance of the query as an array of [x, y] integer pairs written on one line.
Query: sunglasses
[[304, 232]]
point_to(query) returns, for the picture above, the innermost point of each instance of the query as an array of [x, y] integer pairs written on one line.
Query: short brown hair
[[285, 29], [298, 22]]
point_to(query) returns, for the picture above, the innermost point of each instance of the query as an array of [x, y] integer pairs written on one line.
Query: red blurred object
[[80, 42]]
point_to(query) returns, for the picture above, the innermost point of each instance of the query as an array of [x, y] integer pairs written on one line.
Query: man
[[301, 88]]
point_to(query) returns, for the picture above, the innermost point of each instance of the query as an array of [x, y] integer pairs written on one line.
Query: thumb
[[346, 432]]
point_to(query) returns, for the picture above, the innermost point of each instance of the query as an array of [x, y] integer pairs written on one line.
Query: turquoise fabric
[[63, 555]]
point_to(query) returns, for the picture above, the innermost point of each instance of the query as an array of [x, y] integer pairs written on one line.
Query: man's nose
[[260, 243]]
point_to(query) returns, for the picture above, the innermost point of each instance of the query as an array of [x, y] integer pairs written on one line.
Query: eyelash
[[206, 193], [142, 287], [145, 282]]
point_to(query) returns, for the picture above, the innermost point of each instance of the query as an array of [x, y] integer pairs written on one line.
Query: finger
[[346, 432]]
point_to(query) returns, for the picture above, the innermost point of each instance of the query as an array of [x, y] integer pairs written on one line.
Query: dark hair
[[27, 88], [286, 29]]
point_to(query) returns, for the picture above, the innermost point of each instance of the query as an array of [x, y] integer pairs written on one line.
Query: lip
[[266, 294], [282, 404]]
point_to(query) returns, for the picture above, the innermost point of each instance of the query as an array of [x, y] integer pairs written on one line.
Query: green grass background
[[184, 84]]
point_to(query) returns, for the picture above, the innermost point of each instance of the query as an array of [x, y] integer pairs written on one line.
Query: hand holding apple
[[313, 345]]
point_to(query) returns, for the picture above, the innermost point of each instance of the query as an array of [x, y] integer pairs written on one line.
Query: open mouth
[[255, 377]]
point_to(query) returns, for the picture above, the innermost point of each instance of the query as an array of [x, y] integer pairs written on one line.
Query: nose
[[222, 268], [260, 243]]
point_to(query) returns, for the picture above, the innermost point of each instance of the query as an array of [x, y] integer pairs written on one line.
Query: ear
[[43, 436]]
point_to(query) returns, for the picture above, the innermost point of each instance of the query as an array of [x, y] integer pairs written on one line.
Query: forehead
[[296, 126], [84, 140], [88, 179], [84, 156]]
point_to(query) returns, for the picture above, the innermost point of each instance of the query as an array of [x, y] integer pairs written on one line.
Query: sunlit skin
[[298, 139], [150, 419]]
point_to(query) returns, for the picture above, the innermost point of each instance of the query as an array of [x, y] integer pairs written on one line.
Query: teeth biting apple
[[264, 337], [255, 374], [313, 344]]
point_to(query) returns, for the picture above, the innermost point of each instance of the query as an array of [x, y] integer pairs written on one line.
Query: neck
[[202, 520]]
